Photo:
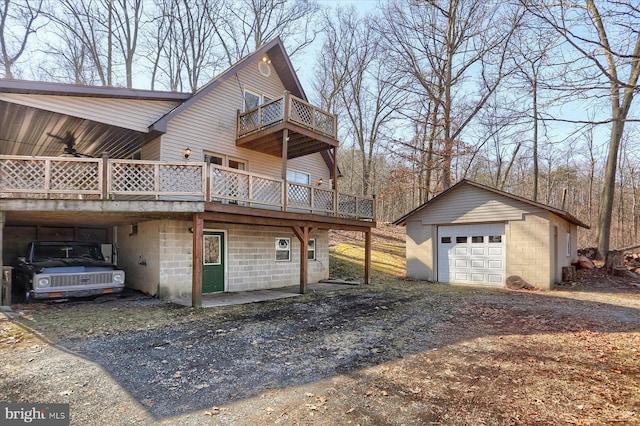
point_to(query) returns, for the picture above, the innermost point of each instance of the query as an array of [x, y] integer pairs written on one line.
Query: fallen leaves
[[214, 411]]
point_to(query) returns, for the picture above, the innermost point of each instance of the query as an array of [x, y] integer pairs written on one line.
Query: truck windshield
[[65, 251]]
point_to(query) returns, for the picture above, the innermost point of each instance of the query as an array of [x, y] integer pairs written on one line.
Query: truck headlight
[[43, 282], [118, 277]]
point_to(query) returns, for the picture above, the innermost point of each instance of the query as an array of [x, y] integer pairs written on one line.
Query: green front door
[[212, 262]]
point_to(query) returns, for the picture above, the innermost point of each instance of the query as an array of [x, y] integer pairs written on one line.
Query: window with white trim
[[311, 250], [298, 195], [298, 177], [283, 249], [253, 99], [225, 161]]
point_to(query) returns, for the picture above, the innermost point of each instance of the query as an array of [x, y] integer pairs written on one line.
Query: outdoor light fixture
[[186, 153], [319, 182]]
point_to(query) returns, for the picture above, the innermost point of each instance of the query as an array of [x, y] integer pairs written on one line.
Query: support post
[[367, 256], [6, 297], [105, 176], [196, 267], [303, 233], [335, 181], [285, 150]]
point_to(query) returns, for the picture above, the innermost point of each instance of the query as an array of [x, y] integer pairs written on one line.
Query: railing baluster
[[28, 177]]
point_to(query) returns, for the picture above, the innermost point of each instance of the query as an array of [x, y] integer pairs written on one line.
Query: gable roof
[[558, 212], [279, 60]]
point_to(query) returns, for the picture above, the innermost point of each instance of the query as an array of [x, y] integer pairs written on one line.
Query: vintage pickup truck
[[54, 269]]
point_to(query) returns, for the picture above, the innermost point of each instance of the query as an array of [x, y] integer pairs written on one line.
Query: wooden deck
[[121, 181], [287, 126]]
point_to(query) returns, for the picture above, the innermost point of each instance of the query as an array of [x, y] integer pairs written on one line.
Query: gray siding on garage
[[467, 204]]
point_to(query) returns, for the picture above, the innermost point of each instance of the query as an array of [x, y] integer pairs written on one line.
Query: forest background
[[534, 98]]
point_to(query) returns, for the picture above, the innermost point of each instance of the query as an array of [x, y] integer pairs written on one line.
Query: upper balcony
[[308, 128], [61, 178]]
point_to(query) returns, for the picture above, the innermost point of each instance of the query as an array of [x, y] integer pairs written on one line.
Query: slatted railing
[[287, 108], [114, 179]]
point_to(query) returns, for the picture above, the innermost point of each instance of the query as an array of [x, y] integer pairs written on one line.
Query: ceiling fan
[[70, 141]]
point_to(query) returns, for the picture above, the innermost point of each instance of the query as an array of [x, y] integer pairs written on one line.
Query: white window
[[298, 177], [311, 251], [237, 164], [568, 244], [253, 99], [283, 249], [225, 161]]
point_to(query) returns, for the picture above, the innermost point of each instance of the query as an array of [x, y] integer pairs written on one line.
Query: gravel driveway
[[309, 360]]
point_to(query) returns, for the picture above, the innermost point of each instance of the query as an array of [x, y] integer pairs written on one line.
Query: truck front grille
[[65, 280]]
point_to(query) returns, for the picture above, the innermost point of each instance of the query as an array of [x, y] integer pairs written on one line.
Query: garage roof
[[558, 212]]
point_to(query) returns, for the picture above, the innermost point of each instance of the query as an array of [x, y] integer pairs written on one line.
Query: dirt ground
[[394, 352]]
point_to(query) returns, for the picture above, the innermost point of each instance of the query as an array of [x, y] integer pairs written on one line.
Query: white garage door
[[472, 254]]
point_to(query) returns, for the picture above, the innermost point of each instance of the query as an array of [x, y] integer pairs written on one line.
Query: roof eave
[[561, 213], [280, 61], [64, 89]]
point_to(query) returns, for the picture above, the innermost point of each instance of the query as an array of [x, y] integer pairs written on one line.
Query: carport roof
[[558, 212]]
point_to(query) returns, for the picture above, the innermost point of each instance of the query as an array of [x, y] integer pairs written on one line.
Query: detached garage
[[475, 234]]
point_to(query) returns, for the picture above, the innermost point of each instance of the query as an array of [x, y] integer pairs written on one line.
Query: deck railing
[[114, 179], [287, 108]]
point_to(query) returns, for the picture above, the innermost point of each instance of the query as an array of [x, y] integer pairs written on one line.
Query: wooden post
[[196, 260], [105, 176], [303, 233], [285, 150], [7, 297], [367, 256], [335, 181]]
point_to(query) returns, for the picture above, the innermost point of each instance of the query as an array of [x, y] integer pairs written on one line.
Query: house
[[475, 234], [231, 188]]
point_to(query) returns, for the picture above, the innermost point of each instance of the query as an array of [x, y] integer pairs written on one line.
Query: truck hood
[[70, 265]]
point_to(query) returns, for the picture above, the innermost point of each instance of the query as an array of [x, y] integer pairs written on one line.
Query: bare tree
[[108, 31], [247, 24], [124, 18], [87, 21], [455, 51], [606, 37], [70, 60], [533, 47], [18, 21], [358, 83]]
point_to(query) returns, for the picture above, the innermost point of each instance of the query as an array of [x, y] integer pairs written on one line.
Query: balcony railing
[[113, 179], [287, 108]]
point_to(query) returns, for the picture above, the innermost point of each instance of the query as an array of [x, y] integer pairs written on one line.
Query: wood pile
[[632, 262]]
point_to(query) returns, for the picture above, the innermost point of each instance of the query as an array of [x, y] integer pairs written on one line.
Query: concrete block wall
[[158, 259], [138, 256], [420, 251], [251, 263], [528, 249], [175, 244], [567, 241]]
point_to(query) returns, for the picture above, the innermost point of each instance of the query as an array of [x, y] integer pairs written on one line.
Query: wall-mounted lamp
[[186, 153], [266, 60], [190, 229], [319, 182]]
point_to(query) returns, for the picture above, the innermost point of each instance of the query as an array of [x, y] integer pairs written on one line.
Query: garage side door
[[472, 254]]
